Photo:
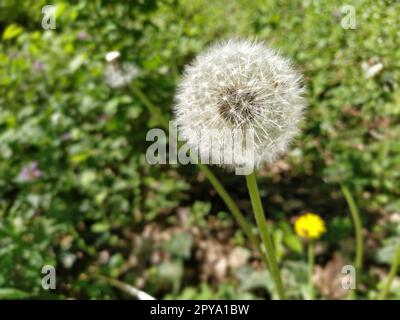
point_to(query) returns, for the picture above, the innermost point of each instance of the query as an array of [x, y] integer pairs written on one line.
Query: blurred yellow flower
[[309, 226]]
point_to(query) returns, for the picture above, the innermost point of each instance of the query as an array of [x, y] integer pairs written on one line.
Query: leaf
[[251, 279], [294, 243], [386, 253], [100, 227], [12, 31], [11, 293], [77, 62], [179, 245]]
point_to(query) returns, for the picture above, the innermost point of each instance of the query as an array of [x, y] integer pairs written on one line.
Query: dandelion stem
[[229, 202], [392, 274], [311, 260], [358, 231], [241, 220], [265, 232]]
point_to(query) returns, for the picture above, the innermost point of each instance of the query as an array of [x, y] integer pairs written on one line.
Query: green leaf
[[11, 293], [179, 245], [12, 31], [100, 227], [294, 243]]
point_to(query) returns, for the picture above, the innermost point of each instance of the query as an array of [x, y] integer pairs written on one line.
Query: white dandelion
[[118, 74], [235, 90]]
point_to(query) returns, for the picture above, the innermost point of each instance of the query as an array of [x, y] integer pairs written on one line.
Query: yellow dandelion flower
[[310, 226]]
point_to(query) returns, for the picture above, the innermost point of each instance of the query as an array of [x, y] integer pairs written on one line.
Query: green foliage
[[76, 190]]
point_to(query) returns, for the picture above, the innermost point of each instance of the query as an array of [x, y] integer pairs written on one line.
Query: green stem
[[355, 214], [241, 220], [392, 274], [153, 110], [265, 233], [311, 259], [134, 292]]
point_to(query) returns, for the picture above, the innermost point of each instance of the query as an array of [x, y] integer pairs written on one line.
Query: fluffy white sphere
[[233, 89]]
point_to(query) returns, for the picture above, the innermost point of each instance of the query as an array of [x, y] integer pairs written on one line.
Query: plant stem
[[134, 292], [153, 110], [265, 233], [241, 220], [355, 214], [392, 274], [311, 259]]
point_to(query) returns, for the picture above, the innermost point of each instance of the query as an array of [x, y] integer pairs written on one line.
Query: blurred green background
[[76, 191]]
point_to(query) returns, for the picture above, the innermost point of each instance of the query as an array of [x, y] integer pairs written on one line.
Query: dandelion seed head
[[240, 84], [116, 73]]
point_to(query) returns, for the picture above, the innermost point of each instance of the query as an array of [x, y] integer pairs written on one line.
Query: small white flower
[[242, 86]]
